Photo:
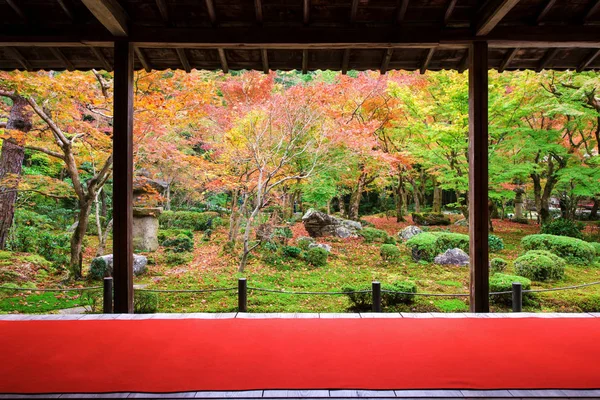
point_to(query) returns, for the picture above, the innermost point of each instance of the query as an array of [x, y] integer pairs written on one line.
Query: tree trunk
[[11, 164], [594, 210], [75, 266], [437, 196], [234, 215], [416, 196], [400, 196], [168, 197], [356, 196], [104, 204]]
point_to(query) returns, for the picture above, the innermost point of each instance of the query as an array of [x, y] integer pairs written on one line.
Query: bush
[[371, 235], [563, 227], [317, 257], [429, 219], [304, 242], [540, 265], [363, 301], [292, 251], [98, 269], [282, 234], [145, 302], [573, 250], [390, 253], [165, 234], [196, 221], [590, 303], [179, 244], [172, 258], [495, 243], [498, 265], [54, 247], [596, 246], [503, 283], [427, 245], [447, 241]]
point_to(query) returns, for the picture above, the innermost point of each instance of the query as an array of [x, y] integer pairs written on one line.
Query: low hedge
[[503, 283], [196, 221], [540, 265], [573, 250], [427, 245], [390, 253], [498, 264], [363, 301], [495, 243], [563, 227], [371, 235], [316, 256]]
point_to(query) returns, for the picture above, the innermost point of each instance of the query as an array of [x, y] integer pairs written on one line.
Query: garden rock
[[145, 228], [103, 266], [462, 222], [319, 224], [430, 219], [324, 246], [409, 232], [452, 257]]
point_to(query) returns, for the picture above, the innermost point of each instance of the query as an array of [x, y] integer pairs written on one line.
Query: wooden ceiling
[[299, 34]]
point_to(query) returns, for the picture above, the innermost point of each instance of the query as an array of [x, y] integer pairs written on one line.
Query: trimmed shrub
[[165, 234], [495, 243], [447, 241], [179, 244], [573, 250], [390, 240], [390, 253], [196, 221], [503, 283], [590, 303], [172, 258], [304, 242], [423, 246], [498, 264], [372, 235], [540, 265], [292, 251], [316, 256], [563, 227], [145, 302], [98, 269], [596, 246], [429, 219], [282, 234], [363, 301]]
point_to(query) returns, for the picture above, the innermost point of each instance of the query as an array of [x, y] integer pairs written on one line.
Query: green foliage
[[54, 247], [361, 297], [317, 257], [37, 302], [540, 265], [596, 246], [498, 265], [282, 234], [98, 268], [304, 242], [447, 240], [430, 219], [179, 244], [196, 221], [495, 243], [371, 235], [165, 234], [503, 283], [390, 253], [563, 227], [590, 303], [292, 251], [173, 258], [427, 245], [573, 250], [145, 302], [451, 305]]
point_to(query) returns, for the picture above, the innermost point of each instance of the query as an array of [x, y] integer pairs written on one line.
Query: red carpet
[[238, 354]]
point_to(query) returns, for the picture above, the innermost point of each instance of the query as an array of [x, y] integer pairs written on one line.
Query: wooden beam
[[353, 10], [163, 9], [16, 8], [588, 60], [491, 14], [385, 63], [478, 178], [123, 178], [184, 60], [449, 10], [401, 11], [427, 60], [59, 54], [259, 11], [464, 62], [265, 60], [306, 12], [345, 61], [14, 53], [140, 55], [549, 4], [100, 56], [592, 10], [507, 59], [67, 9], [110, 14], [550, 54], [210, 9], [305, 61], [223, 58]]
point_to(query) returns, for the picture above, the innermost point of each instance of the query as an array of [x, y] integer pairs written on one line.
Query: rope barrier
[[427, 294], [309, 293], [185, 290], [51, 290]]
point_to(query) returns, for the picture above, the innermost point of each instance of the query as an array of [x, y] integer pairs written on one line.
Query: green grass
[[40, 302]]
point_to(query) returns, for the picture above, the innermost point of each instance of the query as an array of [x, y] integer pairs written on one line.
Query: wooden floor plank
[[429, 393], [486, 393], [339, 315], [295, 393], [416, 315], [306, 315], [537, 393], [245, 394], [180, 395], [380, 315], [95, 396]]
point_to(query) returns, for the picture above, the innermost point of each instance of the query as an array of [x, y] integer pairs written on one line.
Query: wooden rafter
[[449, 10], [101, 57], [306, 12], [163, 9], [385, 62], [353, 10], [491, 14], [67, 9], [143, 60], [591, 11], [305, 61], [427, 60], [14, 53], [345, 61], [507, 59], [265, 60], [588, 60], [185, 62], [210, 9], [223, 58], [59, 54], [401, 11], [110, 14], [259, 11], [550, 54], [13, 4], [540, 17]]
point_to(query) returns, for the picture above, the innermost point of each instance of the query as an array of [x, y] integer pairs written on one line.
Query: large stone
[[452, 257], [145, 228], [103, 266], [409, 232], [430, 219], [319, 224], [323, 246]]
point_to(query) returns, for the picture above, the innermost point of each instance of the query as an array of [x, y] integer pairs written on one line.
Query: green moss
[[451, 305], [196, 221], [372, 235], [363, 301], [317, 257], [503, 283], [573, 250], [37, 260], [540, 265], [390, 253]]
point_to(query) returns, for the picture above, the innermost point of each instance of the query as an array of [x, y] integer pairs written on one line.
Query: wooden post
[[107, 296], [478, 176], [242, 295], [376, 291], [123, 178], [517, 297]]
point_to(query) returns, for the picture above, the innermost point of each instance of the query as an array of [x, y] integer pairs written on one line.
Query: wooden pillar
[[122, 178], [478, 176]]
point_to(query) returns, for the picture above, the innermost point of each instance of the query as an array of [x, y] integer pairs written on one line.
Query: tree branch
[[46, 151]]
